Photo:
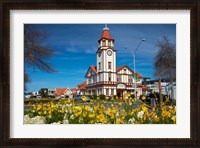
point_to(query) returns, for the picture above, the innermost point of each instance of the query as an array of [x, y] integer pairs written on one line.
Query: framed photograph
[[100, 74]]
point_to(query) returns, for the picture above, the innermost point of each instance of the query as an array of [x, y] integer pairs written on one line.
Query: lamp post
[[133, 54]]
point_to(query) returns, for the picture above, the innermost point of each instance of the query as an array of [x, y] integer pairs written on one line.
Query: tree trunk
[[171, 84], [160, 92]]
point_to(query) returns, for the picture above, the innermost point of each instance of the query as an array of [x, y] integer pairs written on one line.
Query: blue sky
[[76, 46]]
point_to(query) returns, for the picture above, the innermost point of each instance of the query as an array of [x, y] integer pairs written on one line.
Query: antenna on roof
[[106, 27]]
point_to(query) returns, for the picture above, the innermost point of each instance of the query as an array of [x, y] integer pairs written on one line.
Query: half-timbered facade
[[105, 78]]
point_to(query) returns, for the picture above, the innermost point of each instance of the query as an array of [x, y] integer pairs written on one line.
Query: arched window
[[109, 65], [99, 65]]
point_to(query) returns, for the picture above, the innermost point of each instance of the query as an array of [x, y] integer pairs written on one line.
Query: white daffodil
[[140, 115]]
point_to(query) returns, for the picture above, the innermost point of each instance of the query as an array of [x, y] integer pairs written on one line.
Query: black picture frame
[[7, 5]]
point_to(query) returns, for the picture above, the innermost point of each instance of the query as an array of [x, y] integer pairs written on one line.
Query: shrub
[[173, 102], [90, 96], [94, 97], [115, 97], [102, 97], [132, 95]]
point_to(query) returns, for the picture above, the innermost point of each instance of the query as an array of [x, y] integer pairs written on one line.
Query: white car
[[27, 96], [38, 97]]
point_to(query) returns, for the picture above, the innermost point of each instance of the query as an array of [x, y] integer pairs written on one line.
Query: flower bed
[[70, 112]]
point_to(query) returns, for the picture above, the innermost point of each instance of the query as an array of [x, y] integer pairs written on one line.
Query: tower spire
[[106, 27], [106, 33]]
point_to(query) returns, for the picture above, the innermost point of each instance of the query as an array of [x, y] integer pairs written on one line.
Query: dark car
[[148, 99], [78, 98]]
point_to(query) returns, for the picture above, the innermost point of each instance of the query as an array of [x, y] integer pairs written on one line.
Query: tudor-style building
[[106, 78]]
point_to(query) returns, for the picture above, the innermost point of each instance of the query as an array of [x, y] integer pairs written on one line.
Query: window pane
[[109, 65], [107, 91], [112, 91], [103, 43], [99, 65], [109, 43]]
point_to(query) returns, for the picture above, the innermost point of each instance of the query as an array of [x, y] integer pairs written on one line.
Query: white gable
[[90, 72], [124, 70]]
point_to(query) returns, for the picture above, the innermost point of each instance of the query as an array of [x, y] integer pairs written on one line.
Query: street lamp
[[133, 54]]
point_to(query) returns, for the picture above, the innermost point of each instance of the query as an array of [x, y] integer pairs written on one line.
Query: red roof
[[94, 68], [121, 67], [60, 91], [82, 86], [139, 75], [106, 34], [83, 83], [73, 89]]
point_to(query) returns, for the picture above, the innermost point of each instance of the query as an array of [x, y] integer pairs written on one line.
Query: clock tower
[[106, 58]]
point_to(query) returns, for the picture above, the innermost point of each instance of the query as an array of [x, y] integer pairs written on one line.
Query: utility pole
[[134, 74]]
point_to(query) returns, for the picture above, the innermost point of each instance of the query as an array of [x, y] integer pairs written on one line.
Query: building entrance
[[120, 93]]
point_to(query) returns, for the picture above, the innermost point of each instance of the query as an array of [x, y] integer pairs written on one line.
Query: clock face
[[109, 52]]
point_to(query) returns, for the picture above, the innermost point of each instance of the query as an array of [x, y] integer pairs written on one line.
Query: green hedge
[[102, 97], [132, 96], [94, 97], [90, 96]]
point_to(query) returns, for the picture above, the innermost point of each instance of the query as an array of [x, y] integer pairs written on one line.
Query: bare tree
[[35, 51], [26, 79], [165, 61]]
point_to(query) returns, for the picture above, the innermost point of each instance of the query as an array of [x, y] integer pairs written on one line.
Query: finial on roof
[[105, 28]]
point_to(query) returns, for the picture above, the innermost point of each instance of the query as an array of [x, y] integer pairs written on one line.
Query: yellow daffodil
[[143, 98], [100, 112], [84, 98], [91, 115], [119, 121], [173, 119], [144, 109]]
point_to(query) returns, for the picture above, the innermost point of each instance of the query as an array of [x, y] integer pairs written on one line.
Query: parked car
[[78, 98], [38, 97], [27, 96]]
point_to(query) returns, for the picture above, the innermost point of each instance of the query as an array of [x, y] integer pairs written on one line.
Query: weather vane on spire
[[106, 27]]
